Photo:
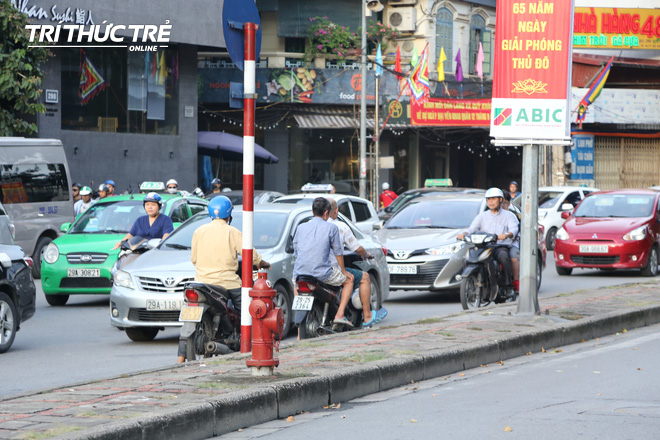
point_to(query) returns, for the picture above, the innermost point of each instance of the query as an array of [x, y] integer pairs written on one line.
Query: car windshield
[[110, 218], [452, 214], [615, 205], [268, 229], [402, 200], [548, 199]]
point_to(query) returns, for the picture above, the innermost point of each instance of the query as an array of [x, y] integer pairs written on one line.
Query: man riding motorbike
[[503, 223], [214, 253]]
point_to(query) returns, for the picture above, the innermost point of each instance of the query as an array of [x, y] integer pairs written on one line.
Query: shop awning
[[339, 118], [229, 146]]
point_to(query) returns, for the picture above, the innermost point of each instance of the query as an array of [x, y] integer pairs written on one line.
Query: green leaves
[[21, 75]]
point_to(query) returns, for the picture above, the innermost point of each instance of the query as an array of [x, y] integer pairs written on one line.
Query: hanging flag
[[379, 62], [479, 69], [440, 67], [459, 68], [418, 81], [415, 57], [162, 70], [397, 60], [594, 91], [91, 81]]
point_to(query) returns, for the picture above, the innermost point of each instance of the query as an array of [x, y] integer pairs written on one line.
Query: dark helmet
[[153, 197], [216, 181], [220, 207], [77, 185]]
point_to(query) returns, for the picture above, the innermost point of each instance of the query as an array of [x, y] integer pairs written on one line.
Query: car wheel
[[651, 268], [57, 300], [563, 270], [550, 238], [141, 334], [283, 301], [8, 322], [38, 256]]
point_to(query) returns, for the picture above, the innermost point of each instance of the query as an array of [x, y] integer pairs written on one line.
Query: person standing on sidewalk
[[361, 278], [387, 196]]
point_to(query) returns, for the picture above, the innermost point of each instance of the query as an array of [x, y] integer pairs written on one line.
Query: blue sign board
[[235, 13], [582, 154]]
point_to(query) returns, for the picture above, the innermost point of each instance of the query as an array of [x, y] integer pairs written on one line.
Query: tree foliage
[[20, 73]]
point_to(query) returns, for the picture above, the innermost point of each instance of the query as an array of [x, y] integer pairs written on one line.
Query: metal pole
[[248, 183], [376, 146], [528, 303], [363, 106]]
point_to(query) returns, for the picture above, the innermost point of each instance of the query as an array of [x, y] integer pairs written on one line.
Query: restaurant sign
[[616, 28]]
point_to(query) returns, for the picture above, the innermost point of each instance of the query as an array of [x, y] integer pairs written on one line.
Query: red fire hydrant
[[267, 321]]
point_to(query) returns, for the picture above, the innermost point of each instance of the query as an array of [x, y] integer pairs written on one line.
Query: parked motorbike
[[316, 305], [211, 325], [482, 279], [129, 251]]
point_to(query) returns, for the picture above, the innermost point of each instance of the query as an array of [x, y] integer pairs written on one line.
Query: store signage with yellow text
[[451, 112], [616, 28]]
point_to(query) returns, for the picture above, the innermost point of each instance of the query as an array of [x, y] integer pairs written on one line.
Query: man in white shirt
[[349, 241], [85, 202]]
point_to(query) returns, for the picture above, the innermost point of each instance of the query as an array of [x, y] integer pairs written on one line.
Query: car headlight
[[446, 249], [636, 234], [51, 254], [562, 234], [123, 279]]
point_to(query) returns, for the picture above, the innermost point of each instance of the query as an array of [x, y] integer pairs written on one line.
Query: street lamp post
[[363, 105]]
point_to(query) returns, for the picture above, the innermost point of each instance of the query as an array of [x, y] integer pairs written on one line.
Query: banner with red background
[[531, 78], [451, 112]]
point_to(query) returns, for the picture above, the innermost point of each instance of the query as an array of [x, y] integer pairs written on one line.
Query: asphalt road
[[603, 388], [62, 346]]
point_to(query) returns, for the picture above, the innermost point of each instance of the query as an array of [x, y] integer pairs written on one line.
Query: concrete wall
[[276, 176], [100, 156]]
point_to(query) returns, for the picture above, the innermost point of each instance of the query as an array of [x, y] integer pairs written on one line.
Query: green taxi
[[80, 261]]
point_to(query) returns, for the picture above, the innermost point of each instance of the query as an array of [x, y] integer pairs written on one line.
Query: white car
[[360, 211], [553, 200]]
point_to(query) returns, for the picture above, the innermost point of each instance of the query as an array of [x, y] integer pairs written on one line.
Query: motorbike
[[316, 304], [211, 325], [482, 279], [129, 251]]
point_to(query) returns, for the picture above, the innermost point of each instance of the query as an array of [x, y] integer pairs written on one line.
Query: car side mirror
[[153, 243], [565, 214], [5, 260], [566, 207], [65, 227], [377, 226], [289, 245], [388, 209]]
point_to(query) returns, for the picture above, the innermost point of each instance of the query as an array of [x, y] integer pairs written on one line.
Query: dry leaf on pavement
[[290, 419], [508, 429], [413, 420], [542, 349]]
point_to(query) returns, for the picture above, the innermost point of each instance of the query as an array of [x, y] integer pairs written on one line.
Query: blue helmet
[[110, 182], [220, 207], [153, 197]]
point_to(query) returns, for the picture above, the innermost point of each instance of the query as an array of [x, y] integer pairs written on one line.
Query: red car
[[617, 229]]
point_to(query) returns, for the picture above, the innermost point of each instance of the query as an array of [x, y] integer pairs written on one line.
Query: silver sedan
[[147, 295]]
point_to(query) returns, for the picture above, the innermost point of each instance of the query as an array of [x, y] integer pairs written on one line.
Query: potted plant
[[328, 38]]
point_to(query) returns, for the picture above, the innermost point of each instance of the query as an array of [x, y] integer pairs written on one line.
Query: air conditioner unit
[[401, 2], [403, 19]]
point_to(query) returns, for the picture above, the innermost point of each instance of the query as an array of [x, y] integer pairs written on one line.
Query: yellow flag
[[439, 67]]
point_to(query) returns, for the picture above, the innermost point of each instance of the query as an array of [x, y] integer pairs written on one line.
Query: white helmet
[[494, 192], [172, 182], [386, 186]]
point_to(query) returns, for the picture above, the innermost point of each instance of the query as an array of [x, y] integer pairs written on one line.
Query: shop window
[[124, 92], [361, 211], [444, 36], [479, 34], [32, 183]]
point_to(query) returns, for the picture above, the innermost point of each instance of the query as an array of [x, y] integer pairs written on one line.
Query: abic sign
[[531, 82]]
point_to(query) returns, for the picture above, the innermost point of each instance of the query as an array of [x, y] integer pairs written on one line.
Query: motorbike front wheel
[[471, 292], [309, 328], [196, 342]]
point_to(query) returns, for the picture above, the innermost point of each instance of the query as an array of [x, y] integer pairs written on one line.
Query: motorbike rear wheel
[[470, 292], [309, 328], [196, 342]]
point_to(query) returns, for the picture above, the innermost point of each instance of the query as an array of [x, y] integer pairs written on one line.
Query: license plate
[[302, 302], [402, 268], [83, 273], [154, 304], [593, 249], [192, 314]]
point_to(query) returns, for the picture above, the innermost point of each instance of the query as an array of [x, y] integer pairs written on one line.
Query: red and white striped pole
[[248, 182]]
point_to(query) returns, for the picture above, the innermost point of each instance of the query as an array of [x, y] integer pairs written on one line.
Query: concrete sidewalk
[[219, 395]]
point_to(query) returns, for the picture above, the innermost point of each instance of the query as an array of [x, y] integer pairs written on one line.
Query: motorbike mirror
[[153, 243], [65, 227], [565, 214]]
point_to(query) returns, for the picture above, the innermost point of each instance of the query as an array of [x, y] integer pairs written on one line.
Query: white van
[[35, 190]]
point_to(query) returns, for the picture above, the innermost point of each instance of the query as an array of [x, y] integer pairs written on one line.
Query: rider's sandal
[[342, 321], [371, 322]]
